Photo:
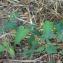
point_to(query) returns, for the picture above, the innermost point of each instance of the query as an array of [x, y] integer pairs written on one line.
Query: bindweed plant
[[39, 40]]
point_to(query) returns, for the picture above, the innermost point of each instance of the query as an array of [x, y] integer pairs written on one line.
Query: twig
[[22, 60], [40, 57], [3, 4], [35, 60], [5, 34]]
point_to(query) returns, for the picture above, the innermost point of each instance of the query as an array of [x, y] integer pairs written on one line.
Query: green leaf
[[9, 25], [5, 44], [59, 26], [1, 30], [13, 15], [51, 49], [28, 53], [59, 37], [40, 49], [48, 30], [9, 49], [11, 52], [1, 48], [21, 34], [31, 39], [36, 32], [59, 31], [33, 42]]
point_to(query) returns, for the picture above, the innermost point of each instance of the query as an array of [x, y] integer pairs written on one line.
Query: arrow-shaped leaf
[[21, 34]]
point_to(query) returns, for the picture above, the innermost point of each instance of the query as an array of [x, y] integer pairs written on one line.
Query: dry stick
[[35, 60], [56, 7], [59, 60], [41, 7], [57, 14], [10, 60], [24, 6], [25, 61], [5, 34], [24, 21], [40, 57], [29, 14], [15, 5], [54, 11], [22, 61]]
